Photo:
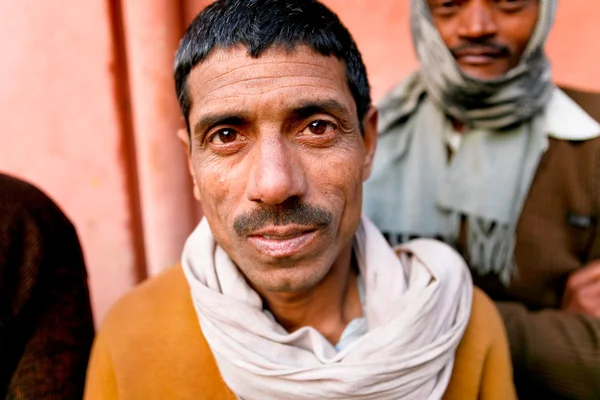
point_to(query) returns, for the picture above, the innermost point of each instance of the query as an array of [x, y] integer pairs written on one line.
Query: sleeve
[[56, 352], [553, 351], [101, 382], [46, 306], [497, 374], [482, 368]]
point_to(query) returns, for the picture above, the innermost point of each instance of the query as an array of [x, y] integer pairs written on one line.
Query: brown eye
[[224, 136], [444, 7], [319, 127], [511, 5]]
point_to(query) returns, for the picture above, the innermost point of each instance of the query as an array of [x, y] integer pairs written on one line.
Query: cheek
[[219, 188], [338, 178], [517, 29], [517, 36], [447, 29]]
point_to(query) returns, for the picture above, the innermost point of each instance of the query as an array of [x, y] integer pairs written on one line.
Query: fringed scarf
[[415, 192]]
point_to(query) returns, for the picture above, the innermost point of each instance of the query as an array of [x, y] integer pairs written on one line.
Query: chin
[[484, 73], [288, 279]]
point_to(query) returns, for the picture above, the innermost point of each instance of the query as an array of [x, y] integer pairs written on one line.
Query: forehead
[[230, 79]]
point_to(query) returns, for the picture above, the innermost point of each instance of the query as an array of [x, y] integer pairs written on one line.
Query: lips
[[282, 241], [478, 56]]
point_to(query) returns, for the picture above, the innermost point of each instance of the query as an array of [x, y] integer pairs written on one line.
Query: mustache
[[288, 213], [502, 50]]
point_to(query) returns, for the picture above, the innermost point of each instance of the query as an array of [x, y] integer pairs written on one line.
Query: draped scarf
[[415, 191], [418, 303]]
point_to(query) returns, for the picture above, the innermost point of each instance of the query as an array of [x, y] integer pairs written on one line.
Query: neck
[[328, 307]]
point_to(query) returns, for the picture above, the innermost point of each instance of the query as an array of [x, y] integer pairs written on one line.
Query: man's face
[[486, 37], [278, 161]]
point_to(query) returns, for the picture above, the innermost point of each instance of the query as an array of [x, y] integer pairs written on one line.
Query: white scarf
[[418, 304]]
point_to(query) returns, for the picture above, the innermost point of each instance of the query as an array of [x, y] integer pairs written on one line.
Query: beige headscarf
[[417, 308], [415, 191]]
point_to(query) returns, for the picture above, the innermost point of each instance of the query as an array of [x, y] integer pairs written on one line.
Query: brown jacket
[[46, 325], [555, 354], [151, 347], [557, 234]]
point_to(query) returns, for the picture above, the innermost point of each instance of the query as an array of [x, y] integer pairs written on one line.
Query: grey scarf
[[415, 191], [492, 104]]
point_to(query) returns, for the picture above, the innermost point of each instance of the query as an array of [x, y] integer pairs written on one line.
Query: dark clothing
[[555, 354], [46, 324]]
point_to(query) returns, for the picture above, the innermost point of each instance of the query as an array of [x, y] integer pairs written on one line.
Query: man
[[479, 148], [46, 324], [284, 292]]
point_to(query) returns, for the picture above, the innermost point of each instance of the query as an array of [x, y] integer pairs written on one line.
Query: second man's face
[[486, 37]]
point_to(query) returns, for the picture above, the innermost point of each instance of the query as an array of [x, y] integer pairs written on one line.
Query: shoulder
[[155, 301], [13, 187], [151, 345], [154, 324], [572, 131], [21, 201], [482, 367], [400, 103], [589, 146], [573, 134], [578, 157], [567, 116], [485, 329], [484, 314], [485, 333]]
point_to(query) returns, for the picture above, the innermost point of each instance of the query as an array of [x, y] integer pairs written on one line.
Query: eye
[[511, 5], [321, 127], [444, 7], [224, 136], [447, 4]]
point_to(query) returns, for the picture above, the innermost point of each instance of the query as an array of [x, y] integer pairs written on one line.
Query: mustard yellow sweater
[[151, 347]]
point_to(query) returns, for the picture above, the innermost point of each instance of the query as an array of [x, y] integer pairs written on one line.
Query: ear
[[184, 138], [370, 135]]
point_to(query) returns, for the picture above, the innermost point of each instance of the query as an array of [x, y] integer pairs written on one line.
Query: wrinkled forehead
[[232, 78]]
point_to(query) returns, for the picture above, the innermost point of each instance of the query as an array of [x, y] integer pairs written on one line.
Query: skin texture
[[486, 37], [278, 162]]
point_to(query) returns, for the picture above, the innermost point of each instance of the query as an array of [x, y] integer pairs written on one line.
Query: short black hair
[[262, 24]]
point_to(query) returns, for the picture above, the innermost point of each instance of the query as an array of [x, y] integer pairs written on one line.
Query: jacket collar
[[565, 120]]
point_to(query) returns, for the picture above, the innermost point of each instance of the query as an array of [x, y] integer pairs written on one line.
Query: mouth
[[282, 241], [480, 56]]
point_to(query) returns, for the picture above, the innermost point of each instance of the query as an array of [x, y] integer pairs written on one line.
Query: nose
[[276, 174], [477, 21]]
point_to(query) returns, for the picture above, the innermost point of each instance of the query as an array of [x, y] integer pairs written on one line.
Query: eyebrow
[[309, 108], [210, 120], [301, 111]]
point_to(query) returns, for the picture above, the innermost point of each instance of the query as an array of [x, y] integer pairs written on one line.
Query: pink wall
[[62, 128], [88, 113]]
